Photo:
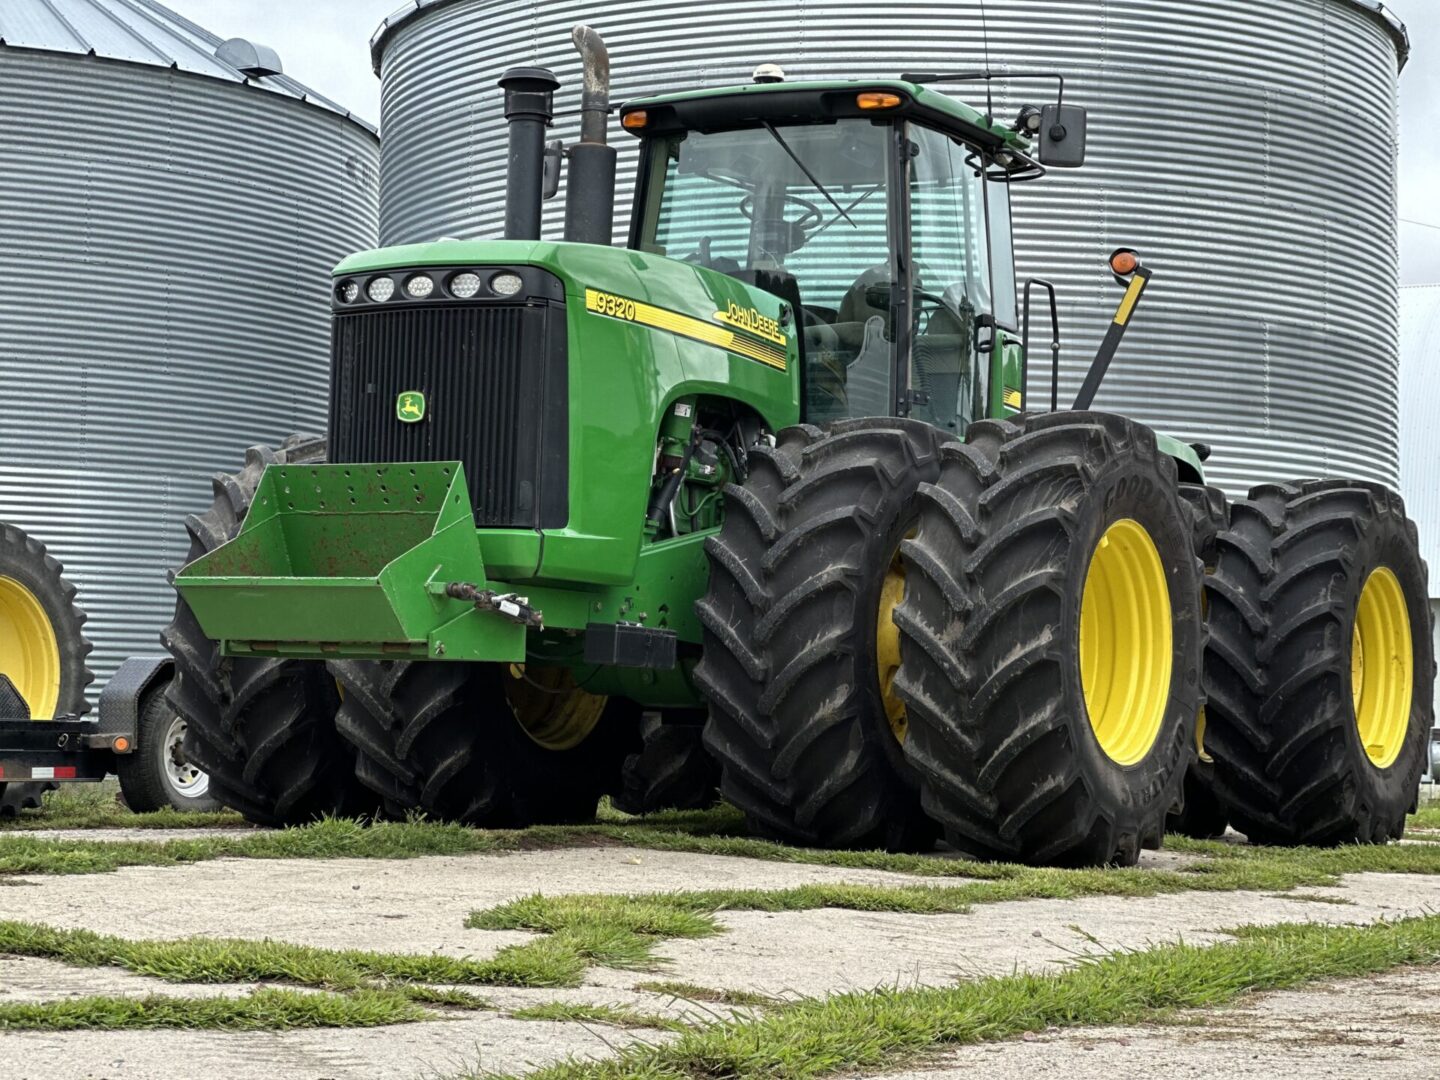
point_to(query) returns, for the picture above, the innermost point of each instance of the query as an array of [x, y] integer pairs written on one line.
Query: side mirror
[[550, 182], [1062, 136]]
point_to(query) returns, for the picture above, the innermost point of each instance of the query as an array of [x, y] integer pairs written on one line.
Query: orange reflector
[[633, 121], [1124, 262], [876, 100], [121, 744]]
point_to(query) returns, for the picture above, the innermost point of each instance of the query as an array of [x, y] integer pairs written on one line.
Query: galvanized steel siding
[[165, 247], [1420, 417], [1247, 147]]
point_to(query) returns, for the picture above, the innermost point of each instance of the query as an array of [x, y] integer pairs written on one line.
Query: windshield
[[800, 210]]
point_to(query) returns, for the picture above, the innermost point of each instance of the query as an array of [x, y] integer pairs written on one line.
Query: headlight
[[506, 284], [348, 291], [380, 289], [465, 285], [420, 286]]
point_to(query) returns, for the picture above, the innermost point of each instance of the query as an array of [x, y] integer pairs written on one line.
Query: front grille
[[494, 380]]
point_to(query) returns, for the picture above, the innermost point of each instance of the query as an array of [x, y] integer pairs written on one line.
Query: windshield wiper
[[808, 174]]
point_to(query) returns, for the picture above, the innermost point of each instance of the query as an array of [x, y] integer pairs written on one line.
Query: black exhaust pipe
[[590, 195], [530, 109]]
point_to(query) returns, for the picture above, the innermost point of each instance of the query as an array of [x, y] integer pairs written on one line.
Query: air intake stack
[[529, 109]]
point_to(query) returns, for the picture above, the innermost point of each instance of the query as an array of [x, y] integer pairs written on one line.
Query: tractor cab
[[880, 212]]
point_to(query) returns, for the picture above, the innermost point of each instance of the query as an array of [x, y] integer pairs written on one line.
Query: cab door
[[964, 358]]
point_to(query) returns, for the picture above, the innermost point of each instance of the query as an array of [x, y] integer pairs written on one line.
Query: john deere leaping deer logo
[[410, 407]]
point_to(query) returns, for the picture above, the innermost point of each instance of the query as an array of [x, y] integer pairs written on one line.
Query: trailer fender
[[121, 698]]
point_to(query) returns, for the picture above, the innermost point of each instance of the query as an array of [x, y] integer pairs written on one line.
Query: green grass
[[683, 991], [98, 806], [886, 1029], [340, 839], [546, 962], [570, 1013], [1427, 817], [713, 832], [264, 1010]]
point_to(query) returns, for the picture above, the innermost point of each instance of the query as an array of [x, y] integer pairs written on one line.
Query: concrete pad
[[1384, 1028], [428, 1051]]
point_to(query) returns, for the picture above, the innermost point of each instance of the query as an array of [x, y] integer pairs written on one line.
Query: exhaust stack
[[529, 109], [590, 197]]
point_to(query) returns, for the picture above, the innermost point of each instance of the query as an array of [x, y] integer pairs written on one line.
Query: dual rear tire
[[999, 679], [1321, 665]]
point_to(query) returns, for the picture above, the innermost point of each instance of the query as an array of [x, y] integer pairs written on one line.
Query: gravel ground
[[1385, 1028], [419, 906]]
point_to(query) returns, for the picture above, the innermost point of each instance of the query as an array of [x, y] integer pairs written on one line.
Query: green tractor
[[764, 486]]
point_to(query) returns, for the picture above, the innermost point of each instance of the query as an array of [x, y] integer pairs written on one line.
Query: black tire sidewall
[[144, 779], [1131, 487]]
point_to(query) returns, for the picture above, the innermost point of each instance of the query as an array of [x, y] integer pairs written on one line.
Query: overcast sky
[[326, 44]]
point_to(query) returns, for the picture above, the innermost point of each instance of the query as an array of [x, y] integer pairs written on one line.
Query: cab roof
[[799, 102]]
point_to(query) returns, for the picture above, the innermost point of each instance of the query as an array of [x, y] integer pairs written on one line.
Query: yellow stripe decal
[[744, 344], [1132, 297], [1012, 398]]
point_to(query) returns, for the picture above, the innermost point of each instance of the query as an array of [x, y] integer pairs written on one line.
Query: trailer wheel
[[1203, 815], [1321, 665], [482, 744], [1051, 641], [799, 643], [672, 770], [264, 730], [157, 773]]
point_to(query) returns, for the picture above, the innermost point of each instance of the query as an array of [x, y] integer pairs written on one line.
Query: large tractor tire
[[800, 647], [671, 770], [490, 745], [1051, 641], [42, 632], [1203, 815], [262, 729], [1320, 666], [42, 643]]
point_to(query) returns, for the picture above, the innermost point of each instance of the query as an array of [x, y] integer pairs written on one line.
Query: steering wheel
[[812, 217]]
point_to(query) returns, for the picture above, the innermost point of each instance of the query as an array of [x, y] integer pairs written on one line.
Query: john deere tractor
[[766, 483]]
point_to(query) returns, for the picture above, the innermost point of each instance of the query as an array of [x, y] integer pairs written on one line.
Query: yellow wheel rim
[[29, 651], [887, 647], [1382, 667], [554, 712], [1125, 642]]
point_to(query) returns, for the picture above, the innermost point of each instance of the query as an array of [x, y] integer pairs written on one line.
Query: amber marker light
[[875, 99], [634, 121], [1124, 262], [121, 745]]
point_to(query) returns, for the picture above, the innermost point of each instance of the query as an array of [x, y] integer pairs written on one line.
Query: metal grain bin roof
[[136, 31], [1420, 417], [1247, 147], [166, 240]]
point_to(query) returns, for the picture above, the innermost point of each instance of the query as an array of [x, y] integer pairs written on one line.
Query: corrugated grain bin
[[169, 215], [1247, 147], [1420, 429]]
